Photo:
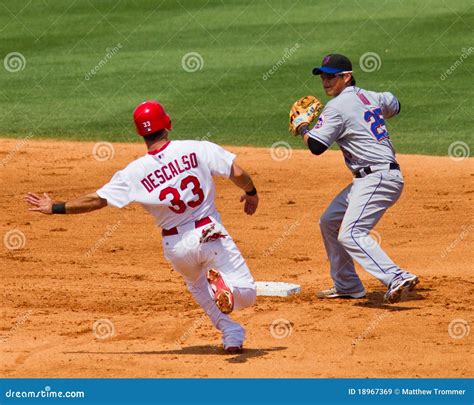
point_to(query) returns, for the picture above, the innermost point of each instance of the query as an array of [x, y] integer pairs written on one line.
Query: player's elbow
[[236, 172], [101, 203], [96, 202], [316, 147], [317, 152]]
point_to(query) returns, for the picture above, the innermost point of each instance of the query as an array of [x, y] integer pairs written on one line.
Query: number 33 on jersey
[[174, 183]]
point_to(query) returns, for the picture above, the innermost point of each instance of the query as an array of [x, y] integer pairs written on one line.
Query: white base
[[276, 289]]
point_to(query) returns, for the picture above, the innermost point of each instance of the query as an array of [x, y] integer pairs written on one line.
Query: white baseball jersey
[[174, 183], [355, 120]]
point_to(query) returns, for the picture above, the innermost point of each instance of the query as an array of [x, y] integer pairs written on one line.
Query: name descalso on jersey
[[174, 183]]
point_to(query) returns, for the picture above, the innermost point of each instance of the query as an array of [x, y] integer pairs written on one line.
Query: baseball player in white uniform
[[173, 182], [355, 120]]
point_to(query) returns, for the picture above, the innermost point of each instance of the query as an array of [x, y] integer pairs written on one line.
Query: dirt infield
[[63, 275]]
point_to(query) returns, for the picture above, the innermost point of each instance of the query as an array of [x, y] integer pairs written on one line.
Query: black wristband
[[303, 131], [59, 208], [251, 192]]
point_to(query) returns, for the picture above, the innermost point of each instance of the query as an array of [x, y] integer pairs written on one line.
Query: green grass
[[228, 101]]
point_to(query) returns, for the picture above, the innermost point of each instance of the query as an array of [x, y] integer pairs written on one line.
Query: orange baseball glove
[[304, 111]]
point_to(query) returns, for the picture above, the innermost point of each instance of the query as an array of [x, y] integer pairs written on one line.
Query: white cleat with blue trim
[[396, 289], [333, 293]]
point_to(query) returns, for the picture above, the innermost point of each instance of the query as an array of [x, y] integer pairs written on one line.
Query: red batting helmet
[[150, 117]]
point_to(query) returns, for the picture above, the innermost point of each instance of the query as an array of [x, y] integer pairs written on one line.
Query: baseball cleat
[[223, 296], [333, 293], [233, 349], [394, 293]]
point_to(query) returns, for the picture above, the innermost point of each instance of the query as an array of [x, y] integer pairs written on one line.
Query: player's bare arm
[[45, 205], [174, 180], [243, 180]]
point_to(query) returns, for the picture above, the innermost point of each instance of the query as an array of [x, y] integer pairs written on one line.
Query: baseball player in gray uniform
[[355, 120]]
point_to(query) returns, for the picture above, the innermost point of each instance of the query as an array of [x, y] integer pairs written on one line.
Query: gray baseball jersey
[[355, 120]]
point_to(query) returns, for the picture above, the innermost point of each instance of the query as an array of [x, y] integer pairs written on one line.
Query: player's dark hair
[[353, 81], [155, 136]]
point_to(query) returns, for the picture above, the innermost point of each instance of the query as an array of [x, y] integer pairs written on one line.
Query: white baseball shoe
[[395, 290], [333, 293]]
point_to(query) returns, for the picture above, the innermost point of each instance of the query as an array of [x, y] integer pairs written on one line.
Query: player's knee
[[345, 237], [245, 297], [352, 237], [325, 222], [253, 297]]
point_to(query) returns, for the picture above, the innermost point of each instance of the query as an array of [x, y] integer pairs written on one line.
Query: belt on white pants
[[197, 224]]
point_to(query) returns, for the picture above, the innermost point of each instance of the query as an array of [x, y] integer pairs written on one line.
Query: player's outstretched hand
[[251, 203], [42, 204]]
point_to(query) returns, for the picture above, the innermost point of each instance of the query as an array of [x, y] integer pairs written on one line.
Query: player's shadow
[[374, 299], [248, 353]]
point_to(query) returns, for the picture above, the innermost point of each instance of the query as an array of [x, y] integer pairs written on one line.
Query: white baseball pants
[[193, 259]]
